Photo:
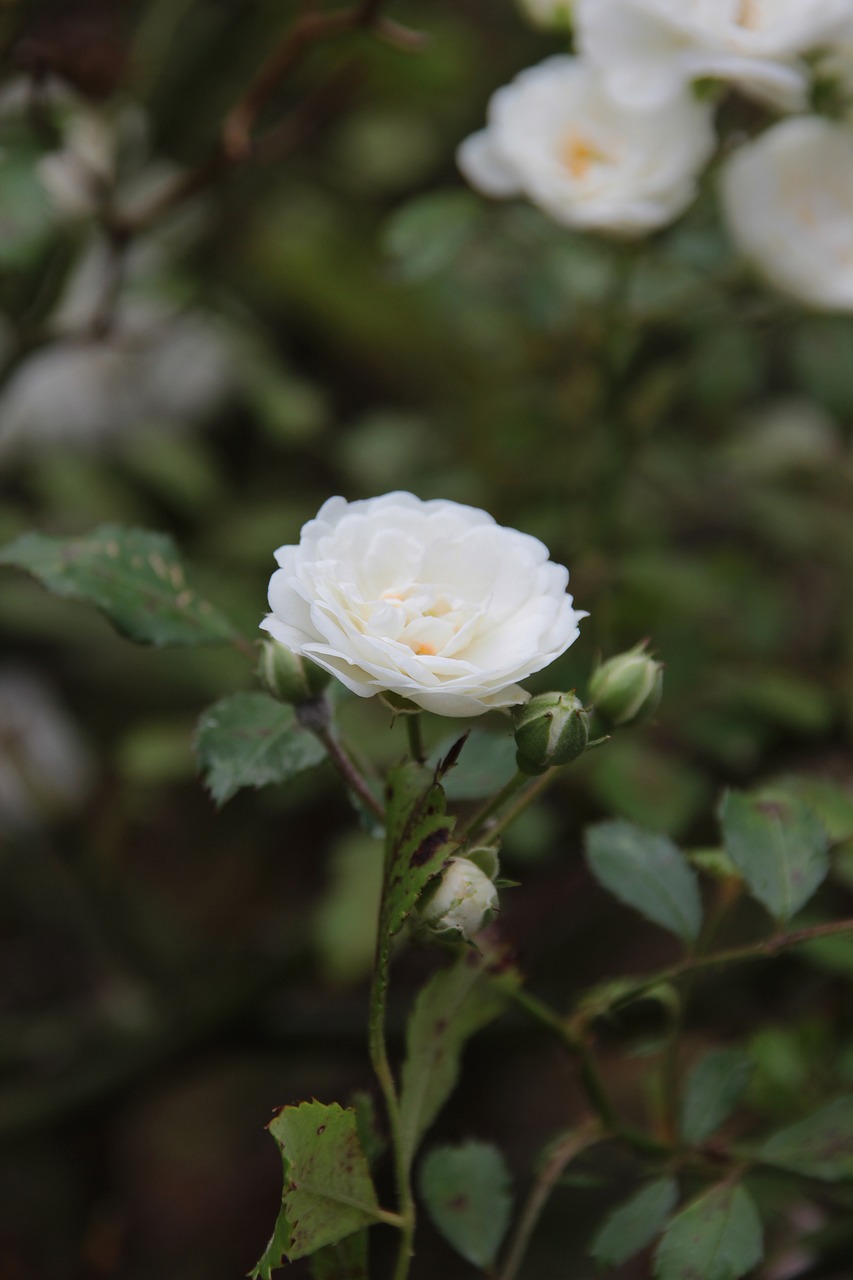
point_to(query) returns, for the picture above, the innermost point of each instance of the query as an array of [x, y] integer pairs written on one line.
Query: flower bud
[[550, 729], [627, 689], [289, 677], [464, 902]]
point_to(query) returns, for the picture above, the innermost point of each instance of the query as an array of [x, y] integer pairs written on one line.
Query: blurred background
[[212, 317]]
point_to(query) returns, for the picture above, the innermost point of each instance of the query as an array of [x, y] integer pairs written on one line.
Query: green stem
[[763, 950], [416, 745], [493, 806], [534, 789], [563, 1153], [315, 716]]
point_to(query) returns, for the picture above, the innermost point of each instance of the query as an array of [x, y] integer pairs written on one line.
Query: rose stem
[[416, 745], [315, 716], [497, 802]]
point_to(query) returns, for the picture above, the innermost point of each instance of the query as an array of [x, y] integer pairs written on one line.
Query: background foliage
[[330, 310]]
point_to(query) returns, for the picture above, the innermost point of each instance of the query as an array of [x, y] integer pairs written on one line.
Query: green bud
[[289, 677], [627, 689], [550, 729]]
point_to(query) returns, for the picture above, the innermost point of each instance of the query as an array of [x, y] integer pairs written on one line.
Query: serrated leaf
[[346, 1260], [328, 1193], [713, 1089], [821, 1146], [635, 1223], [426, 235], [647, 872], [453, 1005], [132, 576], [717, 1237], [466, 1190], [780, 847], [250, 740]]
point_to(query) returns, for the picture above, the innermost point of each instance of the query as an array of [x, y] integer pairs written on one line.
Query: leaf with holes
[[821, 1146], [647, 872], [713, 1089], [780, 847], [466, 1190], [133, 576], [453, 1005], [717, 1236], [250, 740], [328, 1192], [635, 1223]]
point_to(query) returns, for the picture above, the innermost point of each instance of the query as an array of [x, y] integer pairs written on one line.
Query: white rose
[[788, 198], [648, 50], [430, 600], [464, 902], [556, 137]]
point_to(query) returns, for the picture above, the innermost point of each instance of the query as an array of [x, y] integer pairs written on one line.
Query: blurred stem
[[594, 1086], [763, 950], [416, 746], [315, 716], [562, 1154]]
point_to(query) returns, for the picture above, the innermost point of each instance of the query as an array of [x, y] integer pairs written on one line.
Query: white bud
[[464, 902]]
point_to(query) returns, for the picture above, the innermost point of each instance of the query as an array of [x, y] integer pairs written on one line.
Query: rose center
[[425, 618], [578, 155]]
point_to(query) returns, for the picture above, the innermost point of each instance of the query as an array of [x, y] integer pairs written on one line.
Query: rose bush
[[787, 197], [555, 136], [432, 601]]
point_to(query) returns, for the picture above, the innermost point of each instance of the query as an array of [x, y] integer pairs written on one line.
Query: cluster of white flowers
[[615, 137]]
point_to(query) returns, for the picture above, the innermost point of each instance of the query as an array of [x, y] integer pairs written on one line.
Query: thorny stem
[[563, 1153], [315, 717]]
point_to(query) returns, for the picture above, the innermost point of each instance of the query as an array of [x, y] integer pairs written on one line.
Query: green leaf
[[485, 764], [717, 1237], [832, 802], [647, 872], [328, 1193], [133, 576], [634, 1224], [417, 841], [453, 1005], [427, 234], [28, 216], [713, 1089], [467, 1192], [250, 740], [821, 1146], [780, 847], [346, 1260]]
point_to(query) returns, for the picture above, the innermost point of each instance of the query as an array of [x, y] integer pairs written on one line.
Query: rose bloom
[[555, 136], [787, 198], [647, 50], [432, 601]]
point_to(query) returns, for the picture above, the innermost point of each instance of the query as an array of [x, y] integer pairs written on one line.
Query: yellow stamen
[[748, 15], [426, 649], [577, 155]]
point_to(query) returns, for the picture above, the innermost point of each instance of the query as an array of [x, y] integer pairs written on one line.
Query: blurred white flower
[[432, 601], [464, 902], [550, 14], [555, 136], [78, 177], [45, 767], [787, 198], [648, 50]]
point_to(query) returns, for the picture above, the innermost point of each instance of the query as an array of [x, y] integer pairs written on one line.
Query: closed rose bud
[[627, 689], [464, 901], [289, 677], [551, 729]]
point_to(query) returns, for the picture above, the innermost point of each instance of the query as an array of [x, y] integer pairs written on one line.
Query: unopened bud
[[289, 677], [627, 689], [550, 729], [464, 901]]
